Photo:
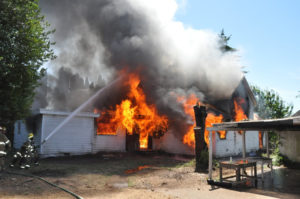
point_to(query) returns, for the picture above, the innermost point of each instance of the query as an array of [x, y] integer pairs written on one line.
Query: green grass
[[190, 163]]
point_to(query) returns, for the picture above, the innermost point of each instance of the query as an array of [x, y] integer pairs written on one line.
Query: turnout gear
[[4, 147], [27, 155]]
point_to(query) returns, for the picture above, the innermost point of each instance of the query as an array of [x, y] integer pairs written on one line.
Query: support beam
[[198, 133], [267, 143], [210, 156], [244, 144]]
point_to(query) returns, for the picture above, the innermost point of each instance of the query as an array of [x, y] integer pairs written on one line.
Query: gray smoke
[[102, 37]]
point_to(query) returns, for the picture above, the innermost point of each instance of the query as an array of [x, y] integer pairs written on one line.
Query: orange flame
[[260, 139], [139, 168], [239, 112], [242, 161], [213, 119], [188, 104], [133, 114]]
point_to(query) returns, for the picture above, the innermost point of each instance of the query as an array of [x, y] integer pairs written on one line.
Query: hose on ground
[[50, 183]]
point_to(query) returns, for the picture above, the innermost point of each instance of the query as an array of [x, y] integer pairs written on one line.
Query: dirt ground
[[130, 176]]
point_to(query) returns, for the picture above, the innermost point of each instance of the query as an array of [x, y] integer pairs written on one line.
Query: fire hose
[[44, 180]]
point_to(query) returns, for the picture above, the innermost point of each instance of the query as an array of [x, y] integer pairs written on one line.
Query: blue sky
[[266, 32]]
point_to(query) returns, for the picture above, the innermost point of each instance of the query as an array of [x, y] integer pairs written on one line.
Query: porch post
[[244, 144], [210, 155], [267, 143]]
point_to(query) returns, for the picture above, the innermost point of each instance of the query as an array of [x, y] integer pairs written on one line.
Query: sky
[[265, 32]]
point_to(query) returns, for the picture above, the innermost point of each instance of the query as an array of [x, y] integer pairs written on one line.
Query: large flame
[[188, 104], [238, 110], [192, 100], [133, 114], [136, 116]]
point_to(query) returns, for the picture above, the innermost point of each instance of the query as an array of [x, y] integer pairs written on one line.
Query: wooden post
[[267, 143], [200, 116], [255, 175], [210, 156], [244, 144], [221, 174], [197, 133], [262, 171], [238, 174]]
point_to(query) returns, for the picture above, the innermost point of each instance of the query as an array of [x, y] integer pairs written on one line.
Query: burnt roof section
[[285, 124]]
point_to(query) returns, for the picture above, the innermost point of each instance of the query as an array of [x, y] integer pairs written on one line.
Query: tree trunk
[[200, 116]]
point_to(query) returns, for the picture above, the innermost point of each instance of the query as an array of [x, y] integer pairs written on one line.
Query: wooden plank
[[267, 144], [244, 144], [226, 125], [210, 156], [263, 125]]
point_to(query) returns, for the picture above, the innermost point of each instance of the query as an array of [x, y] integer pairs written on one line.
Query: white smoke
[[192, 53], [99, 38]]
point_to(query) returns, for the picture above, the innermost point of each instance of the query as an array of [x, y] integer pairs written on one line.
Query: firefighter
[[27, 154], [4, 147], [32, 154]]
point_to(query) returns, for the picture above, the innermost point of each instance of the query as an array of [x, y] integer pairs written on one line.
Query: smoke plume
[[97, 39]]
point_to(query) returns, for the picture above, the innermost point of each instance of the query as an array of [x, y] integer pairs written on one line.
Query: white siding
[[290, 145], [172, 144], [73, 138], [233, 144], [110, 142], [38, 133]]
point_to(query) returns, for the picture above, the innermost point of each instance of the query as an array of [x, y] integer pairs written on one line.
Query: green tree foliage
[[271, 106], [224, 42], [224, 47], [24, 47]]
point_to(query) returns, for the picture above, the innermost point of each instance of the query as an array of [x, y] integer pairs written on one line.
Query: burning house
[[138, 127], [145, 130], [164, 70]]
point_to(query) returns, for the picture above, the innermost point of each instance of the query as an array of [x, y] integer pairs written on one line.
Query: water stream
[[76, 111]]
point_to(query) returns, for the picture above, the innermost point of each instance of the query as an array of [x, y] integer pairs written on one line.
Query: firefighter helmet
[[30, 135]]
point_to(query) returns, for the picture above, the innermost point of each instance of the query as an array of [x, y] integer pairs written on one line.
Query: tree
[[271, 106], [24, 47], [224, 42]]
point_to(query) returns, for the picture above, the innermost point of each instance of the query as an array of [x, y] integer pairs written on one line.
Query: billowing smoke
[[96, 39]]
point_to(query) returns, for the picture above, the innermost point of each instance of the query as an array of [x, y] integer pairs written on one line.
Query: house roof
[[284, 124], [297, 113], [249, 91], [65, 113]]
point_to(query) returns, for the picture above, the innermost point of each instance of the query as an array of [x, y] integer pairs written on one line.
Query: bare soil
[[124, 176]]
